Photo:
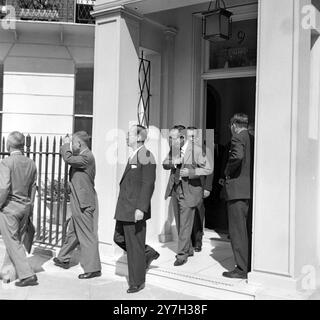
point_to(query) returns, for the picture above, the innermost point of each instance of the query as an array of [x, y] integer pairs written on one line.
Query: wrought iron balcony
[[74, 11]]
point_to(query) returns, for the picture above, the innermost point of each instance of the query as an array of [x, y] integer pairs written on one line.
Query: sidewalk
[[200, 278], [58, 284]]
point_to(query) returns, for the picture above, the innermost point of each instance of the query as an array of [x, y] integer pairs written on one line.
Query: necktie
[[177, 172]]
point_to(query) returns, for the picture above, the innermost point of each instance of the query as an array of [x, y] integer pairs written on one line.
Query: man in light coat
[[18, 176]]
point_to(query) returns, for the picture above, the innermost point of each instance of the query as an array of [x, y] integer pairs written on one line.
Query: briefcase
[[28, 235]]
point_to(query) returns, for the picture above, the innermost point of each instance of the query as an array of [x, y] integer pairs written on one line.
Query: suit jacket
[[239, 168], [18, 176], [192, 186], [81, 176], [136, 187]]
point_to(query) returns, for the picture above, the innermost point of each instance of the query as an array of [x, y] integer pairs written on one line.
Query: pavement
[[199, 279], [56, 283], [59, 284]]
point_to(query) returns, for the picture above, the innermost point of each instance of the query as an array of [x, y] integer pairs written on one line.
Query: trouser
[[10, 225], [131, 237], [238, 215], [197, 230], [8, 271], [184, 217], [81, 232]]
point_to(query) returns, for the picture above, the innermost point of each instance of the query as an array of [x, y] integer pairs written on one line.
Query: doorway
[[225, 97]]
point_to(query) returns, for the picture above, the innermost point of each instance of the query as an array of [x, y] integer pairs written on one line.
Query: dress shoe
[[155, 256], [235, 274], [133, 289], [61, 264], [30, 281], [179, 262], [197, 249], [89, 275]]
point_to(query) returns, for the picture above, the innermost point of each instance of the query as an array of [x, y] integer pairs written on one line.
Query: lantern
[[216, 24]]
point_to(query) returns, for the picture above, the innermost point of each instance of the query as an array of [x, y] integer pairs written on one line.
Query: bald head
[[15, 141]]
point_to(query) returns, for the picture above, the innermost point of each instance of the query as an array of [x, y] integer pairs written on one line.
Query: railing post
[[28, 145]]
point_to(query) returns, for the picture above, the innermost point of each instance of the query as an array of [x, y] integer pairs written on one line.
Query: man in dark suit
[[206, 181], [17, 190], [83, 203], [238, 187], [134, 208], [187, 164]]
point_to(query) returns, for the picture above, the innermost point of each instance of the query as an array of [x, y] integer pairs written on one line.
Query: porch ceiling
[[150, 6]]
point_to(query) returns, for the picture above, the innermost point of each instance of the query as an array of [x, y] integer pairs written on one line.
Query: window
[[239, 51], [83, 107]]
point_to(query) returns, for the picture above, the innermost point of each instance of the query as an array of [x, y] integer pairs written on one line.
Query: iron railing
[[52, 206], [75, 11], [145, 93]]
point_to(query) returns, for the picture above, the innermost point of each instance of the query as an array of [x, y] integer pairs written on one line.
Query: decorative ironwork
[[52, 207], [52, 10], [83, 9], [145, 94]]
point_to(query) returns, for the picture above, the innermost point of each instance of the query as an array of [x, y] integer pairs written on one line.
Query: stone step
[[201, 287]]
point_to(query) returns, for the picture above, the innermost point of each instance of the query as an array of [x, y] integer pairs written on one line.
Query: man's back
[[18, 175], [82, 175], [238, 167]]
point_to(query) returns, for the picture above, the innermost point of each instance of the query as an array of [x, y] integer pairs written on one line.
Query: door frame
[[216, 74]]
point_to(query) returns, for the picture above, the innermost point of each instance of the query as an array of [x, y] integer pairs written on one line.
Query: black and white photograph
[[159, 152]]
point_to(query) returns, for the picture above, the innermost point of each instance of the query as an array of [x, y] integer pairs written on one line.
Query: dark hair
[[16, 140], [180, 128], [83, 136], [240, 119]]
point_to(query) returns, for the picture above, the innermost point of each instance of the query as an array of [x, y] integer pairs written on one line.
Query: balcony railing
[[75, 11]]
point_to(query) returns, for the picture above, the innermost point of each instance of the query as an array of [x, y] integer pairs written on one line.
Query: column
[[165, 211], [116, 94], [285, 191], [168, 57]]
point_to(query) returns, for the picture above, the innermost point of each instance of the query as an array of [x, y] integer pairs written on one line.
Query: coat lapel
[[126, 170]]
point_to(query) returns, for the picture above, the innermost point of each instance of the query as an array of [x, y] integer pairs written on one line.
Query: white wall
[[39, 77]]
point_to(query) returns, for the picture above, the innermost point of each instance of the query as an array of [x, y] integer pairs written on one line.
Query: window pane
[[84, 91], [239, 51], [83, 124]]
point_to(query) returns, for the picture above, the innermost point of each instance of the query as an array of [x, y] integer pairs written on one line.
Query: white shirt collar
[[242, 129], [135, 152], [184, 147], [15, 152]]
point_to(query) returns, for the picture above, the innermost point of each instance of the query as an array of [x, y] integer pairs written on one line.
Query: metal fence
[[75, 11], [52, 206], [144, 81]]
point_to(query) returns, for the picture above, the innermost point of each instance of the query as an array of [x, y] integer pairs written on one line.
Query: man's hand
[[66, 139], [206, 194], [184, 172], [222, 182], [138, 215]]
